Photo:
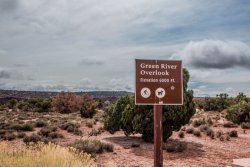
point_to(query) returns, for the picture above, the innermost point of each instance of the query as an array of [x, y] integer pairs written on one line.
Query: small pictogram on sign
[[160, 92], [145, 92]]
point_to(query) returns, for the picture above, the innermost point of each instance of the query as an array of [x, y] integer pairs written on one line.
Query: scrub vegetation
[[43, 155]]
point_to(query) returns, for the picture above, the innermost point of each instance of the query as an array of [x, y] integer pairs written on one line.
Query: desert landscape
[[124, 83], [209, 139]]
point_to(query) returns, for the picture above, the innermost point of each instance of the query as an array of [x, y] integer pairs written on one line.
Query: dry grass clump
[[42, 155]]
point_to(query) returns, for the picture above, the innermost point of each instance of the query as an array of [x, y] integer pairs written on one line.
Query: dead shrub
[[66, 102]]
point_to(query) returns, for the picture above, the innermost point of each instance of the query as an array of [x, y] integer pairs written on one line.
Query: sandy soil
[[201, 151]]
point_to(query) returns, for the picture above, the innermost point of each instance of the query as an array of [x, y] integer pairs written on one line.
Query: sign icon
[[160, 92], [158, 82], [145, 92]]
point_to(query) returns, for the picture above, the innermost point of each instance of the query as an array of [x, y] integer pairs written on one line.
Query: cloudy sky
[[91, 45]]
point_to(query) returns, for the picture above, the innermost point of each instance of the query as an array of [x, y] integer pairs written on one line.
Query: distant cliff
[[14, 94]]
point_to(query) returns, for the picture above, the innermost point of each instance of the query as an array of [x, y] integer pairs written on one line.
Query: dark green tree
[[131, 118]]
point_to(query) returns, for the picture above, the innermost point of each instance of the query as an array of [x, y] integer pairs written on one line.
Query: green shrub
[[35, 105], [43, 105], [181, 134], [190, 130], [40, 123], [2, 133], [125, 115], [175, 147], [67, 125], [227, 137], [45, 132], [199, 122], [218, 103], [241, 97], [222, 138], [209, 121], [135, 145], [219, 134], [203, 128], [245, 125], [24, 106], [197, 133], [94, 132], [72, 128], [55, 135], [12, 103], [33, 138], [10, 136], [92, 146], [21, 135], [183, 129], [230, 125], [16, 127], [1, 108], [233, 133], [239, 113], [88, 107], [27, 127], [210, 133]]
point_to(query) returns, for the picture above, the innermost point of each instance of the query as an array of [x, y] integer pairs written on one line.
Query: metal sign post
[[158, 82]]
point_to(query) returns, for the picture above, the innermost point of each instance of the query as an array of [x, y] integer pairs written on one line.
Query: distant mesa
[[6, 95]]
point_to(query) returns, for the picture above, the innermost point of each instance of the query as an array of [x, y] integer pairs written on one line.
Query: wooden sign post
[[158, 83]]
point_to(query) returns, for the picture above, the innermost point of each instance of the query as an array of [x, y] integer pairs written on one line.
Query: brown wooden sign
[[159, 82]]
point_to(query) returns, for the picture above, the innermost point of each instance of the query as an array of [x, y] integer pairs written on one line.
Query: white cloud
[[216, 54], [61, 41]]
